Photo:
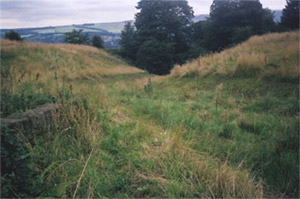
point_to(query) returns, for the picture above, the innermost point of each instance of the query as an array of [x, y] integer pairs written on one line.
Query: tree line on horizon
[[164, 34], [72, 37], [77, 37]]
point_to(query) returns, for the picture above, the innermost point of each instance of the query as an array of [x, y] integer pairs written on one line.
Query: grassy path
[[172, 140]]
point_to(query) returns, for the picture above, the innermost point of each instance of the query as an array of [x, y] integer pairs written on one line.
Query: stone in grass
[[34, 118]]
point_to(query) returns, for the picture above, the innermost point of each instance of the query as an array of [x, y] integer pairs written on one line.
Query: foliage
[[17, 165], [167, 22], [76, 37], [13, 35], [232, 22], [97, 41], [22, 101], [290, 15], [156, 56], [55, 34], [128, 43], [241, 34]]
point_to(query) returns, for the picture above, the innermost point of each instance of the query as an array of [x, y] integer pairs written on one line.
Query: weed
[[24, 100], [148, 87]]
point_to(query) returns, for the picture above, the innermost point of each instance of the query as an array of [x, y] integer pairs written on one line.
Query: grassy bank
[[274, 57]]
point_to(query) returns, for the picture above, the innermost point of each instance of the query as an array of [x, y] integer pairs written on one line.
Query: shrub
[[97, 41], [156, 57], [76, 37], [16, 103], [290, 15], [13, 35]]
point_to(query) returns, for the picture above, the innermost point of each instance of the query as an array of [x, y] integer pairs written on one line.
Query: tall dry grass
[[26, 62], [271, 56], [200, 175]]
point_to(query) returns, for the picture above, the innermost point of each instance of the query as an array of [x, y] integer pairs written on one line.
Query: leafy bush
[[17, 165], [156, 56], [13, 35], [290, 15], [128, 42], [97, 41], [76, 37], [231, 22]]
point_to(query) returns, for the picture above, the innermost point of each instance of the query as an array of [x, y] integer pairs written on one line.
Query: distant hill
[[277, 15], [110, 32], [200, 17]]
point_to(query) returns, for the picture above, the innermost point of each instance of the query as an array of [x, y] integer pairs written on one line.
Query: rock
[[34, 118]]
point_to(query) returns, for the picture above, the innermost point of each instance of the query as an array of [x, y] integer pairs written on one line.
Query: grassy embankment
[[224, 125]]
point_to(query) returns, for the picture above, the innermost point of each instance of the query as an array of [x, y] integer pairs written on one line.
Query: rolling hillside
[[110, 32], [271, 57], [200, 17], [225, 125], [24, 60]]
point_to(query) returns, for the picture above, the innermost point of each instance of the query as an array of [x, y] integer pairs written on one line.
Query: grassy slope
[[271, 57], [256, 86], [39, 64], [31, 69], [214, 132]]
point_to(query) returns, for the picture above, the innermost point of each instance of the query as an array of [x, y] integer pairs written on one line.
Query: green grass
[[123, 135], [26, 99], [115, 27]]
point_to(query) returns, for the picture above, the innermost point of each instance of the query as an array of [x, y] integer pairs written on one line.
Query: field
[[223, 125], [110, 32]]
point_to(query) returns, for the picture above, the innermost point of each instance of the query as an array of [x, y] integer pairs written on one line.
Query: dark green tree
[[268, 21], [13, 35], [290, 15], [233, 21], [197, 46], [156, 56], [165, 23], [97, 41], [76, 37], [128, 44], [240, 34]]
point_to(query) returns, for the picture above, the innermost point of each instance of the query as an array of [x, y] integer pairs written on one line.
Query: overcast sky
[[40, 13]]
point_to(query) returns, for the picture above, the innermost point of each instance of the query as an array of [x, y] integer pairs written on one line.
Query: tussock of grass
[[181, 171], [273, 56]]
